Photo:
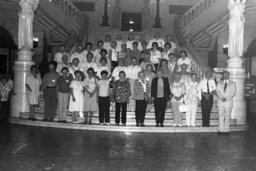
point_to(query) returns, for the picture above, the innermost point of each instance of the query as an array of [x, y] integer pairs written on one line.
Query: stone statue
[[236, 27], [26, 16], [146, 15], [116, 15]]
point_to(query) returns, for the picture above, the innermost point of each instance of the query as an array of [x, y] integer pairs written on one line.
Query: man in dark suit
[[160, 92]]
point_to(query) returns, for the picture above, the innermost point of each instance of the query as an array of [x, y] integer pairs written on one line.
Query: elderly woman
[[63, 84], [155, 55], [178, 91], [149, 75], [165, 70], [160, 92], [33, 82], [184, 60], [74, 67], [141, 96], [191, 99], [90, 96], [121, 95], [185, 75], [77, 97]]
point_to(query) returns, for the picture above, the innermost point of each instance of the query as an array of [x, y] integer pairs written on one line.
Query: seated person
[[120, 67], [158, 40], [146, 61], [155, 54], [89, 64], [184, 60], [107, 43], [103, 67]]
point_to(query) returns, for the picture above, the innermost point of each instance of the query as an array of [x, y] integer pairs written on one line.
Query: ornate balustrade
[[197, 10]]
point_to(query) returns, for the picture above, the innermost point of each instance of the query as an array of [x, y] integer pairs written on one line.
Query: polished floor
[[24, 148]]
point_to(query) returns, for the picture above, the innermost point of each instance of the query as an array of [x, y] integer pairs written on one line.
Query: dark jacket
[[167, 91]]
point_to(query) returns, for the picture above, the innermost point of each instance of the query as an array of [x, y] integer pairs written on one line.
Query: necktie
[[225, 86], [208, 90]]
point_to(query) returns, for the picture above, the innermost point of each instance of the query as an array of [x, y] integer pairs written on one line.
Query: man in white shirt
[[226, 91], [207, 87], [107, 43], [119, 68], [132, 73], [62, 64], [79, 55], [157, 39], [119, 42], [58, 55]]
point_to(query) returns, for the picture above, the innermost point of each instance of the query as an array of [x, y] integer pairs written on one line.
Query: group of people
[[134, 75]]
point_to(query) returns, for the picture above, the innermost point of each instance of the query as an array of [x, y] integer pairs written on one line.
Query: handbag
[[183, 108]]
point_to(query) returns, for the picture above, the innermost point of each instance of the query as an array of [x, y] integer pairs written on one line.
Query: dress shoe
[[226, 133], [137, 124], [220, 133], [161, 125], [142, 124]]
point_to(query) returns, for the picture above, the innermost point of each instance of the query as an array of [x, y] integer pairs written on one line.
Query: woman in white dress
[[77, 97], [90, 96], [33, 82]]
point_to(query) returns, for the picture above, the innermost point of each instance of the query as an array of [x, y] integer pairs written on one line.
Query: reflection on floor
[[34, 149]]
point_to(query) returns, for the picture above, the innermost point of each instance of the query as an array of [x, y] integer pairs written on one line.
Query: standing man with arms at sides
[[49, 85], [226, 91], [207, 87]]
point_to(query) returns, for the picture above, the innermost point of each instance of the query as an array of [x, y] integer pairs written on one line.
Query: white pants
[[191, 115], [224, 118]]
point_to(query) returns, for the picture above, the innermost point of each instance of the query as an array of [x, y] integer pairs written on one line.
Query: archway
[[7, 52]]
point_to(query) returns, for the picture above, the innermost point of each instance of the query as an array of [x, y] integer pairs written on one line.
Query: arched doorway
[[7, 52]]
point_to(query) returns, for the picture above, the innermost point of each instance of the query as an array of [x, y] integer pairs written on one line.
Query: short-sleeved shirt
[[63, 84], [103, 88], [34, 83], [50, 79]]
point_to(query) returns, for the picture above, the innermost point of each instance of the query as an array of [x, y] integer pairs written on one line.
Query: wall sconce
[[35, 42], [225, 49], [131, 30]]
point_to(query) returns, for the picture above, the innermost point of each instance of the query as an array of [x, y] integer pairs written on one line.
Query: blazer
[[167, 91], [229, 94]]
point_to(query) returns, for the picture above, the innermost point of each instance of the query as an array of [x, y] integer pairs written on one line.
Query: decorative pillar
[[116, 16], [24, 61], [105, 16], [146, 17], [157, 18], [235, 61]]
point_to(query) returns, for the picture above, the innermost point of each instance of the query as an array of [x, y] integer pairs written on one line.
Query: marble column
[[24, 60], [157, 18], [235, 64], [105, 16], [116, 16], [146, 16]]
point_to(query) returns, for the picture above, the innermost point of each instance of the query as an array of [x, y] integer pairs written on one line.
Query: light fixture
[[131, 22], [131, 30], [225, 49]]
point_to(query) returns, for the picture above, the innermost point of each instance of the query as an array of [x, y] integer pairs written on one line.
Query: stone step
[[148, 114], [124, 129], [131, 120]]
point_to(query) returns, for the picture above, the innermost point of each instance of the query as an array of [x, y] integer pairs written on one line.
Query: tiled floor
[[24, 148]]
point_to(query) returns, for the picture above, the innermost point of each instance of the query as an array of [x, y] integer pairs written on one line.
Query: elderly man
[[226, 91]]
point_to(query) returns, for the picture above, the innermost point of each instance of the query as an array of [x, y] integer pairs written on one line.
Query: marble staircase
[[149, 119]]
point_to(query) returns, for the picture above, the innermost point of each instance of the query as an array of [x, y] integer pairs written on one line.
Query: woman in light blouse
[[178, 91], [141, 96], [191, 99]]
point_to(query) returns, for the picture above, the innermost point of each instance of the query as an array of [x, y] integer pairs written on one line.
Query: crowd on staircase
[[132, 75]]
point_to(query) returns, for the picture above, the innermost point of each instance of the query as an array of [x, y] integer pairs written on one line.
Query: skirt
[[90, 103]]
